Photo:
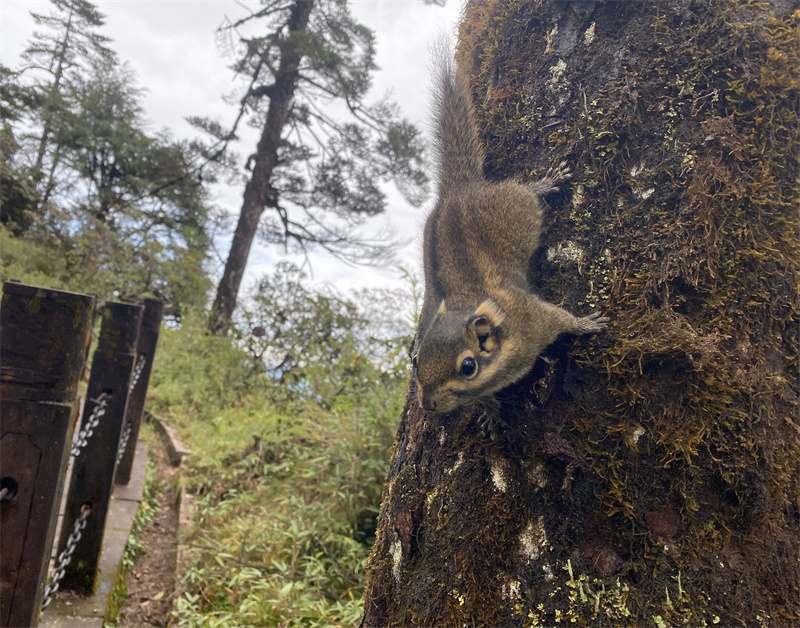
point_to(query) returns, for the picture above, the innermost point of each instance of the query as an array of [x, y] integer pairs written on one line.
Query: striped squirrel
[[480, 327]]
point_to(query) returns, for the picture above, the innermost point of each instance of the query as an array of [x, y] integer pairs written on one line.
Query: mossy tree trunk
[[649, 475]]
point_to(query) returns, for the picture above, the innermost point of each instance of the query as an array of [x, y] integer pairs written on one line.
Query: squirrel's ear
[[491, 314], [484, 322]]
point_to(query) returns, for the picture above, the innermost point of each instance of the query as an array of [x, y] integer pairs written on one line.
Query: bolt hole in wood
[[8, 489]]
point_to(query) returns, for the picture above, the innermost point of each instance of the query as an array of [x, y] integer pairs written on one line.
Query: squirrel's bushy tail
[[458, 148]]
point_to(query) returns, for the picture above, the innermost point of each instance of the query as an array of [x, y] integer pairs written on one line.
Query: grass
[[288, 487]]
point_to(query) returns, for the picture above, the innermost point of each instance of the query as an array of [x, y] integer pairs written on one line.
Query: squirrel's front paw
[[491, 422], [592, 323]]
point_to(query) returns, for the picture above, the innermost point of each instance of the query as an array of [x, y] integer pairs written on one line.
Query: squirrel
[[480, 328]]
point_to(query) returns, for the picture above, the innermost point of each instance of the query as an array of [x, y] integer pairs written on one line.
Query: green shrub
[[287, 472], [283, 525], [196, 375], [29, 262]]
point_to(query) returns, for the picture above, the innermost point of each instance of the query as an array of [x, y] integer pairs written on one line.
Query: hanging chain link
[[137, 372], [91, 423], [123, 443], [65, 557], [126, 434]]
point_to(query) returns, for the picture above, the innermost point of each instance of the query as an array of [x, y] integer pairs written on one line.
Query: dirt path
[[151, 578]]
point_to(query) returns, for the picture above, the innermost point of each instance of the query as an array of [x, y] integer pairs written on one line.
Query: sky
[[171, 46]]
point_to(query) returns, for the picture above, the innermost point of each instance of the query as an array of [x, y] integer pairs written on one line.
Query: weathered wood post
[[93, 470], [145, 354], [43, 339]]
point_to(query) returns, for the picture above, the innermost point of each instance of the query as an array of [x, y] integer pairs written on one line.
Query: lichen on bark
[[650, 474]]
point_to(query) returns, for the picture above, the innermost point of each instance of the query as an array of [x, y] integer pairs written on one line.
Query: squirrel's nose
[[426, 402]]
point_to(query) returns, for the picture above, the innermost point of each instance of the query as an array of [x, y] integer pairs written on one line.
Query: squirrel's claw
[[491, 422], [551, 179]]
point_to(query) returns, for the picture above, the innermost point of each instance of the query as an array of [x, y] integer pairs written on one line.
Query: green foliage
[[318, 343], [71, 38], [196, 376], [281, 525], [18, 196], [28, 262], [57, 56], [15, 99], [288, 471], [134, 223], [78, 172], [293, 345], [91, 261], [140, 185], [288, 463]]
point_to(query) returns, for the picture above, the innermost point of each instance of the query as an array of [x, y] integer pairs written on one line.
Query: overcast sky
[[170, 44]]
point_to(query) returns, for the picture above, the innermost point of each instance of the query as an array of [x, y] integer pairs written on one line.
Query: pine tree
[[127, 209], [141, 192], [61, 54], [317, 172]]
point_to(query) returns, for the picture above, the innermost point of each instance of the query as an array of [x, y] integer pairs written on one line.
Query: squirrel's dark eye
[[468, 367]]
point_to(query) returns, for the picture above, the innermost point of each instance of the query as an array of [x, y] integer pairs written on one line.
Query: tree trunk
[[54, 94], [259, 193], [649, 475]]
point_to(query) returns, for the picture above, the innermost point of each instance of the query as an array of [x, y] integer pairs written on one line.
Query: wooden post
[[43, 339], [145, 354], [93, 469]]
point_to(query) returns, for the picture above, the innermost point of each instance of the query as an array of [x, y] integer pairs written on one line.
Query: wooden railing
[[44, 340]]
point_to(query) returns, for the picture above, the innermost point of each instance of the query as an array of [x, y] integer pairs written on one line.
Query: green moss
[[118, 596]]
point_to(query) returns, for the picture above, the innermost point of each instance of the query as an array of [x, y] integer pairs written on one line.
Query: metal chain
[[91, 423], [137, 372], [65, 557], [123, 443]]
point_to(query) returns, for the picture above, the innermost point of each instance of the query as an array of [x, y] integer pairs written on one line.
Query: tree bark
[[54, 91], [258, 192], [649, 475]]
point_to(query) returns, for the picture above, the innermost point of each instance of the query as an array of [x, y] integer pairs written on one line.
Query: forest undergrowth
[[287, 488]]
